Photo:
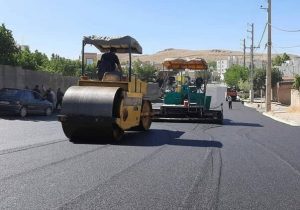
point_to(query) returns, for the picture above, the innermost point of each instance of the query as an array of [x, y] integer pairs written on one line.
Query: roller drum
[[90, 101], [91, 112]]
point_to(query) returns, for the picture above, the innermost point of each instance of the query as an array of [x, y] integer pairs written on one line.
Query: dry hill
[[208, 55]]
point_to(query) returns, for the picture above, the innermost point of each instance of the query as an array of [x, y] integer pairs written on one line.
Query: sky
[[58, 26]]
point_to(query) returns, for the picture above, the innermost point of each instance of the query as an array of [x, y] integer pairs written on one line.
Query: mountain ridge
[[208, 55]]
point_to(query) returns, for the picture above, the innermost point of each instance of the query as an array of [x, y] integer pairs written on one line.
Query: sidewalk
[[279, 112]]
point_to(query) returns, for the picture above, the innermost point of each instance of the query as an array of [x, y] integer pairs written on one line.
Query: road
[[250, 162]]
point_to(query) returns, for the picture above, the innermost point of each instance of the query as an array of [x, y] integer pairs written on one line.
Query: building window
[[89, 61]]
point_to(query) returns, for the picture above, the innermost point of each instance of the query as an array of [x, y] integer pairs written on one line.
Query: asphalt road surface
[[250, 162]]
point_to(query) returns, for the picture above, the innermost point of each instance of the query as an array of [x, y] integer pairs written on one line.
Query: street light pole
[[269, 67]]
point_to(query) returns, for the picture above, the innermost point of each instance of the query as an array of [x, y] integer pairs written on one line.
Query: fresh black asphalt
[[250, 162]]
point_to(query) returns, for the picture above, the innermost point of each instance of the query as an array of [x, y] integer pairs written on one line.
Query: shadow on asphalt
[[32, 118], [154, 137], [232, 123]]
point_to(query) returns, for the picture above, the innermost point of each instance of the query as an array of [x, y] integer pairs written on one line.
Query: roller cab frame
[[188, 103], [108, 107]]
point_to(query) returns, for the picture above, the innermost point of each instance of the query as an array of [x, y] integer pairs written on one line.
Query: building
[[234, 60], [222, 66], [91, 58], [24, 47], [290, 68], [282, 91]]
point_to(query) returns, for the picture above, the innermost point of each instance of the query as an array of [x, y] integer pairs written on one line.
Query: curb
[[250, 106], [289, 122]]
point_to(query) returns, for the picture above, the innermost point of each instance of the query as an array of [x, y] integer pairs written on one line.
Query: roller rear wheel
[[220, 118], [145, 119], [117, 133]]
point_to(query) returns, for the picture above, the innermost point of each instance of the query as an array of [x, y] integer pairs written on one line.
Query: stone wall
[[16, 77], [295, 98]]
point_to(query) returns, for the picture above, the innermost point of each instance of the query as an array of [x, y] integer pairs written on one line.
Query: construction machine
[[184, 101], [106, 108]]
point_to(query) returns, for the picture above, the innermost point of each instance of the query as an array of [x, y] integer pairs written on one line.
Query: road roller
[[184, 101], [106, 108]]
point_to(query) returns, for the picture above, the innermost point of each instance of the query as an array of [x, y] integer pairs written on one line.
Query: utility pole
[[244, 46], [251, 63], [269, 67]]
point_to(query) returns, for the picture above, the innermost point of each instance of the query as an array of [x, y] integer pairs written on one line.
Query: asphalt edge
[[289, 122]]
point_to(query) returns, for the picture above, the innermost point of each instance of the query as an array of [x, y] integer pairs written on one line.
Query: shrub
[[296, 84]]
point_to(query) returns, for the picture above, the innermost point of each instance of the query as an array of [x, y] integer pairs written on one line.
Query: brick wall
[[284, 92]]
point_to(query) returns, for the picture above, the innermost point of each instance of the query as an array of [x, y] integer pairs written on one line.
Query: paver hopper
[[186, 102]]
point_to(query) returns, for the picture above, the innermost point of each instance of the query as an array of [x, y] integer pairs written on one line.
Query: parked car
[[23, 102]]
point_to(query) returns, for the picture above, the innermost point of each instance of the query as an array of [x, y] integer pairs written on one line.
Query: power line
[[262, 36], [273, 47], [263, 54], [285, 30], [296, 46]]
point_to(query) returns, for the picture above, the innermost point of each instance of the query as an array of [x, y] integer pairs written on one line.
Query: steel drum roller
[[91, 111], [90, 101]]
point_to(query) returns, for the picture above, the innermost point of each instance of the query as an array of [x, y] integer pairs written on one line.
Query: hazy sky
[[57, 26]]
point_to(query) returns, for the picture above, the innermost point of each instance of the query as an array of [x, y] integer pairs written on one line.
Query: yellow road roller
[[106, 108]]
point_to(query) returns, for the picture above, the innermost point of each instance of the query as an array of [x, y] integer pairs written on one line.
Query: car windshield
[[10, 93]]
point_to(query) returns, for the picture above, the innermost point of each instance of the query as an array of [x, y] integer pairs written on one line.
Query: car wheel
[[48, 111], [23, 111]]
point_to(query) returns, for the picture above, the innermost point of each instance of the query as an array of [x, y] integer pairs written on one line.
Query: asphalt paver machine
[[188, 102], [108, 107]]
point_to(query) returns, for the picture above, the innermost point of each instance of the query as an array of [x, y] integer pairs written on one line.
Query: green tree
[[72, 68], [234, 74], [10, 54], [296, 84], [276, 76], [259, 79], [285, 57], [91, 71], [244, 85], [33, 61], [279, 60], [41, 60], [63, 66], [26, 59], [144, 71], [8, 47]]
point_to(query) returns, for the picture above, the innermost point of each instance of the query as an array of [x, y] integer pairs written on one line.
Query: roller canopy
[[197, 64], [175, 63], [122, 44], [185, 63]]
